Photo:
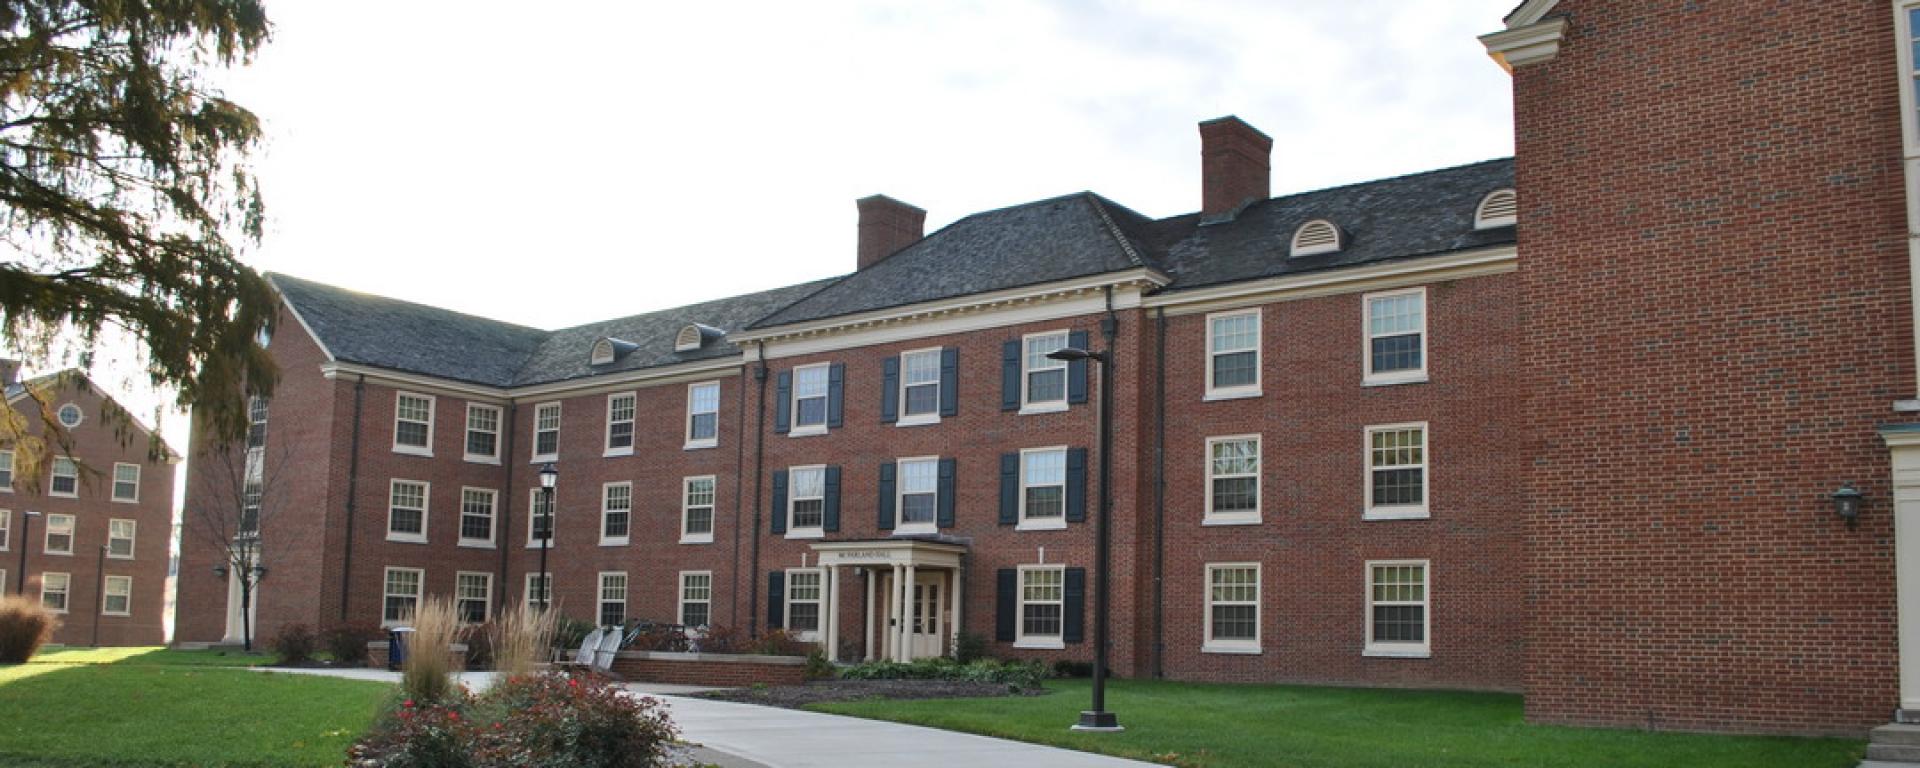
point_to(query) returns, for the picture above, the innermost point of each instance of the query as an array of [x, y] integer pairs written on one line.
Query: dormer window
[[1499, 209], [609, 349], [695, 336], [1317, 236]]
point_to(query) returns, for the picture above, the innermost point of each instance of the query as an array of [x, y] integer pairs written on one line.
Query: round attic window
[[70, 415]]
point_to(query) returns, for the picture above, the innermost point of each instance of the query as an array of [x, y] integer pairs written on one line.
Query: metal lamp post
[[26, 533], [1098, 719], [549, 476]]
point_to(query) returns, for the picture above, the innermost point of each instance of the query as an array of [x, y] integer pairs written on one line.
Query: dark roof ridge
[[1366, 183], [1113, 229], [496, 321], [819, 283]]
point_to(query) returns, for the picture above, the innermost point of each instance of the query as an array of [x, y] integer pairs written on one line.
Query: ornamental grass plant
[[25, 625], [521, 639], [427, 672]]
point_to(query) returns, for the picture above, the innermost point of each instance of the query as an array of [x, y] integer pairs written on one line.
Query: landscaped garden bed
[[820, 691]]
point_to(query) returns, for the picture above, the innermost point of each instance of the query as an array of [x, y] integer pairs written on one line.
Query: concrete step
[[1897, 733], [1893, 753]]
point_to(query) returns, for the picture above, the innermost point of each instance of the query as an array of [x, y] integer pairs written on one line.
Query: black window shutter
[[779, 501], [1076, 485], [1009, 488], [776, 599], [949, 381], [945, 502], [1010, 376], [890, 390], [1006, 614], [831, 521], [1077, 369], [886, 496], [1073, 621], [783, 402], [836, 380]]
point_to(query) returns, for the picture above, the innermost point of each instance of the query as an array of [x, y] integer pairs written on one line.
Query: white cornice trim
[[1371, 277], [650, 377], [1529, 12], [1900, 436], [1523, 45], [295, 311]]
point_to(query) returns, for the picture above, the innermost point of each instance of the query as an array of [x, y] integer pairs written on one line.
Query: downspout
[[353, 483], [739, 464], [1160, 496], [759, 477], [503, 510], [1109, 329]]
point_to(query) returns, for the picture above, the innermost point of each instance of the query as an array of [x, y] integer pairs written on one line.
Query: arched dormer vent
[[608, 349], [695, 336], [1500, 208], [1317, 236]]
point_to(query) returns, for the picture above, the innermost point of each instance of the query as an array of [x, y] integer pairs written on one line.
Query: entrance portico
[[914, 594]]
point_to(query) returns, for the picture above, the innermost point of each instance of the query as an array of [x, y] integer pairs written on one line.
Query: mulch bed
[[797, 696]]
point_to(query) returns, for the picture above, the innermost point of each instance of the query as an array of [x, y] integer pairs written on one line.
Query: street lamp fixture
[[1098, 719], [549, 478]]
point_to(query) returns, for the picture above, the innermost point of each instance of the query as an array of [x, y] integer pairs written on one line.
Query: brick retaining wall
[[709, 668]]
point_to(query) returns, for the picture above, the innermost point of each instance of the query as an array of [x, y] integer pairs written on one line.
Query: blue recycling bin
[[397, 646]]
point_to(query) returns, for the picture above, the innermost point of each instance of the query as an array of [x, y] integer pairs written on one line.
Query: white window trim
[[1419, 650], [106, 590], [1045, 523], [533, 498], [488, 600], [1910, 129], [633, 426], [680, 599], [788, 602], [66, 593], [426, 506], [6, 525], [499, 418], [900, 525], [8, 487], [600, 595], [1416, 376], [1235, 646], [526, 590], [53, 470], [73, 536], [80, 415], [615, 541], [433, 408], [710, 442], [533, 447], [419, 594], [922, 419], [1419, 511], [1066, 399], [793, 403], [1259, 484], [812, 532], [1043, 642], [686, 487], [3, 582], [113, 492], [1259, 353], [493, 517], [132, 541]]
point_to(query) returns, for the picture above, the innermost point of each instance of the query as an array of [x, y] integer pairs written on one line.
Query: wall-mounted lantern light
[[1846, 502]]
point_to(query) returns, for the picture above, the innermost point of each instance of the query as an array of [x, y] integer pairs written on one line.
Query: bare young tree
[[238, 490]]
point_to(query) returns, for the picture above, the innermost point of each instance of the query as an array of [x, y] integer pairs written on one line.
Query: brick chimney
[[9, 372], [886, 226], [1235, 167]]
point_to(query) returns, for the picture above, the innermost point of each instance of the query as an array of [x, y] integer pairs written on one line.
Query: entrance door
[[929, 631]]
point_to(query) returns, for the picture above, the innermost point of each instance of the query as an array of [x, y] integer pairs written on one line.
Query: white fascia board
[[1371, 277], [1529, 12], [677, 374]]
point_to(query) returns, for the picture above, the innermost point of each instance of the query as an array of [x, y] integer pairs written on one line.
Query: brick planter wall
[[377, 655], [709, 668]]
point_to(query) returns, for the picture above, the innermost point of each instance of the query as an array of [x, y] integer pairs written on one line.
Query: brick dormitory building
[[1569, 424]]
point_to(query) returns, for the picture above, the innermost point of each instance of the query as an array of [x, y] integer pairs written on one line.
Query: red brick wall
[[707, 671], [1715, 313]]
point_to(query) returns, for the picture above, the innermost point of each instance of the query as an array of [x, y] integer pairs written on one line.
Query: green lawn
[[156, 707], [1215, 726]]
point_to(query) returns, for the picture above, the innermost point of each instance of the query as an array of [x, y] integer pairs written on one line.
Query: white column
[[909, 605], [893, 611], [873, 615], [832, 628], [953, 630], [1906, 547]]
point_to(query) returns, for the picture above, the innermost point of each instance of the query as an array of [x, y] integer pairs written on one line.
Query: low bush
[[1018, 675], [1071, 668], [348, 642], [294, 644], [522, 722], [969, 647], [721, 639], [568, 632], [819, 667], [25, 625], [479, 641], [778, 642]]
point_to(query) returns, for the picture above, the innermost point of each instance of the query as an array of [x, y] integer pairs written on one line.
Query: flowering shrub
[[545, 720]]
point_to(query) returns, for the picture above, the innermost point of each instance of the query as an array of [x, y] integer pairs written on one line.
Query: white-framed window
[[3, 582], [413, 424], [1233, 354], [6, 471], [696, 598], [806, 502], [1043, 488], [476, 516], [539, 518], [1907, 19], [620, 408], [1233, 480], [1396, 333], [120, 534], [696, 510], [117, 600], [917, 495], [1233, 608], [66, 478], [256, 423], [402, 595], [407, 511], [6, 531], [59, 535], [1397, 608], [1043, 380], [473, 596], [919, 387], [703, 414], [483, 433], [126, 483], [53, 591], [546, 432], [804, 593], [538, 591], [1043, 591], [1396, 471], [810, 383], [70, 415], [616, 513]]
